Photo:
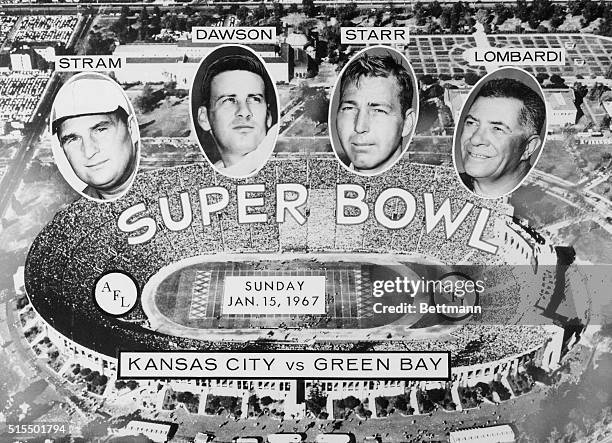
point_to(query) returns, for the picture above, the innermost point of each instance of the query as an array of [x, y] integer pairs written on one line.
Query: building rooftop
[[153, 60], [560, 100]]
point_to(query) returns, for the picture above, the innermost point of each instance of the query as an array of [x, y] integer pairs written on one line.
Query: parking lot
[[435, 55], [586, 54]]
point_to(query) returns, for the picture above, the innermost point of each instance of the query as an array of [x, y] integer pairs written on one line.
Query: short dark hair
[[235, 62], [533, 112], [380, 65], [121, 114]]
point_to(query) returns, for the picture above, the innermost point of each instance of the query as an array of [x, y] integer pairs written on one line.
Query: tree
[[592, 11], [316, 400], [382, 402], [348, 12], [533, 23], [143, 20], [97, 45], [542, 9], [482, 15], [605, 27], [96, 381], [147, 99], [278, 10], [471, 79], [351, 402], [557, 81], [435, 9], [575, 7], [155, 21], [558, 17], [309, 8], [420, 14], [242, 13], [427, 79], [316, 107], [170, 87], [185, 397], [261, 12], [305, 26], [214, 403], [445, 19], [229, 403], [401, 403], [265, 401], [503, 13]]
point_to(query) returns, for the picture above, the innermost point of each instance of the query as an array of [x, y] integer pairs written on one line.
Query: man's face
[[237, 113], [99, 148], [493, 141], [371, 124]]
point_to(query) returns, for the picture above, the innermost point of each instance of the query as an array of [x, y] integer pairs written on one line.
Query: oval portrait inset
[[234, 110], [373, 110], [97, 141], [500, 133]]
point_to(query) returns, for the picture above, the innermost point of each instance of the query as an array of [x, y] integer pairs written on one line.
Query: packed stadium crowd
[[6, 24], [500, 298], [83, 242], [20, 92], [294, 237], [46, 28], [475, 344]]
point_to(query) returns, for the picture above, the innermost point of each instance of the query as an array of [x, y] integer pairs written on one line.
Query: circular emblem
[[116, 293]]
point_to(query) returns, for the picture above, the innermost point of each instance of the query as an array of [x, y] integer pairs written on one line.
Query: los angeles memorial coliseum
[[181, 274]]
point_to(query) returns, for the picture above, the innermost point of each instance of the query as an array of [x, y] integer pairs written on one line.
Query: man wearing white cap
[[98, 134]]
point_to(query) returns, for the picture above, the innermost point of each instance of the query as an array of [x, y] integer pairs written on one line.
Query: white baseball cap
[[87, 94]]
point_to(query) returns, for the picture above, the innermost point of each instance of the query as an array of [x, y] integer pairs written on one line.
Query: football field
[[195, 296]]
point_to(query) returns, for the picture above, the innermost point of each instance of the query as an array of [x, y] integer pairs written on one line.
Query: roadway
[[26, 151], [594, 207]]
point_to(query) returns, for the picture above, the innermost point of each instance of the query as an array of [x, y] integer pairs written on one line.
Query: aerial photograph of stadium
[[200, 247]]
